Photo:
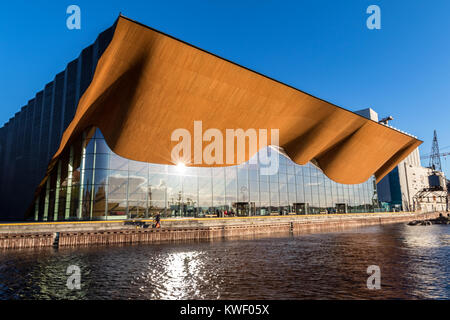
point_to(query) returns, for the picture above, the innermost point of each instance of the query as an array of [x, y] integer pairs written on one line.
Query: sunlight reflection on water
[[413, 260]]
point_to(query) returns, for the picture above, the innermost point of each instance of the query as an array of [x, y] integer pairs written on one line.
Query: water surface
[[414, 263]]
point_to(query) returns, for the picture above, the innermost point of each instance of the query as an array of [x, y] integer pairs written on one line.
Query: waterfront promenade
[[45, 234]]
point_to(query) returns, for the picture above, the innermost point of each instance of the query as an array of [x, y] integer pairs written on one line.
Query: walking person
[[157, 221]]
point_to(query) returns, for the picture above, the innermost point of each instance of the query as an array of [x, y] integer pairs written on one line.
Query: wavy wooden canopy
[[148, 84]]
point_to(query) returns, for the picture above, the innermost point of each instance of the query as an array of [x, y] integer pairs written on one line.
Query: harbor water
[[413, 260]]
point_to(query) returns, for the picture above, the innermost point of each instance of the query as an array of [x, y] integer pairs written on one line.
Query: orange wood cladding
[[148, 84]]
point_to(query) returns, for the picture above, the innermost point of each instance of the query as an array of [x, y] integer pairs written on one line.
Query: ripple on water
[[413, 260]]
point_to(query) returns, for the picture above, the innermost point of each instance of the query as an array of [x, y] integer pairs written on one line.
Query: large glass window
[[91, 182]]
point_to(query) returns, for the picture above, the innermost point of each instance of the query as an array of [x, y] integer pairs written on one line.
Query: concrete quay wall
[[75, 234]]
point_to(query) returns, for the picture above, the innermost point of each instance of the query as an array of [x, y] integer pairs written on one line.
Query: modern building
[[103, 185], [30, 138], [410, 186], [95, 143]]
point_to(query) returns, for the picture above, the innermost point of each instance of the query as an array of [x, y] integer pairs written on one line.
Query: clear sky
[[322, 47]]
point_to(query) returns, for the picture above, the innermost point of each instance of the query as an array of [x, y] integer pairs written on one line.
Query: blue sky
[[321, 47]]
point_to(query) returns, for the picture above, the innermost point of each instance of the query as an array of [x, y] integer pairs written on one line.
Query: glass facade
[[90, 182]]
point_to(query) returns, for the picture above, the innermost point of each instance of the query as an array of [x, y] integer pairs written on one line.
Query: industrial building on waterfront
[[91, 146], [411, 186]]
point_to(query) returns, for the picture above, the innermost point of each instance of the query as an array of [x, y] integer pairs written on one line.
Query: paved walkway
[[33, 227]]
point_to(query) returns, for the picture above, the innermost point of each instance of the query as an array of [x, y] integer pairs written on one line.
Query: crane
[[440, 154]]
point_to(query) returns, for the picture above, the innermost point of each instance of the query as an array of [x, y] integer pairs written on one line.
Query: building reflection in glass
[[90, 182]]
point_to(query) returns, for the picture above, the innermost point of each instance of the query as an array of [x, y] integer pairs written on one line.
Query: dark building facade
[[30, 138]]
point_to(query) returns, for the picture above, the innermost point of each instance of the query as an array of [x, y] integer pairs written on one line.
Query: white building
[[410, 186]]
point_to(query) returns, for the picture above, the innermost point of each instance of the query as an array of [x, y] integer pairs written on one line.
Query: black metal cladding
[[6, 154], [44, 128], [70, 92], [2, 150], [30, 139], [56, 113], [28, 155], [35, 139]]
